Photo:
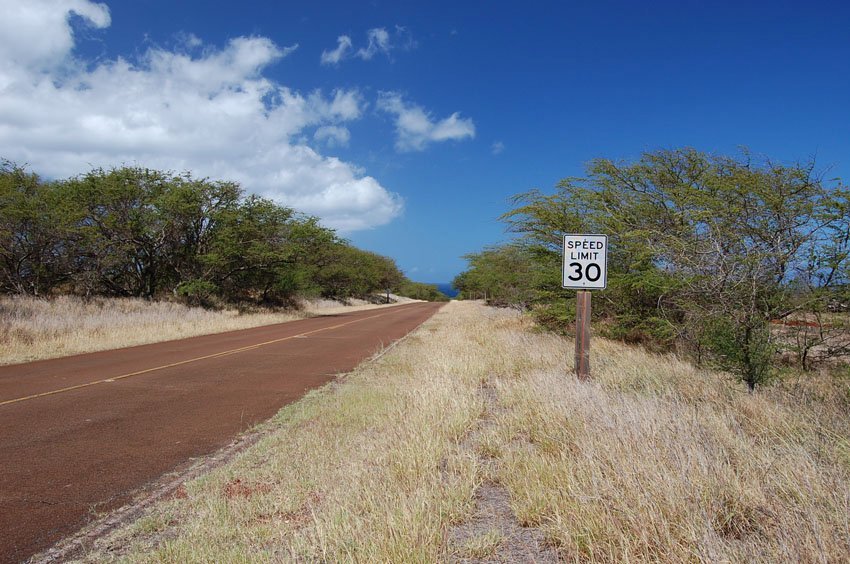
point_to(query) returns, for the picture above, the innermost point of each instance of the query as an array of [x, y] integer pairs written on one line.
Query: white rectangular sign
[[585, 262]]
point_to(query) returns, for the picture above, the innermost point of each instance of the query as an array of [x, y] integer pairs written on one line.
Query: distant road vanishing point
[[79, 435]]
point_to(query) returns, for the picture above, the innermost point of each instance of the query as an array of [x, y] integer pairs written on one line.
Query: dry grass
[[657, 461], [33, 329], [482, 546], [651, 461]]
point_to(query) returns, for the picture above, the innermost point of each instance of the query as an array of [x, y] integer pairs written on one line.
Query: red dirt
[[114, 421], [796, 323], [179, 493], [238, 488]]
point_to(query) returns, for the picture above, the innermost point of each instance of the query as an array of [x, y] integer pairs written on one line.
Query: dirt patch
[[797, 323], [237, 488], [494, 534], [179, 493], [299, 517]]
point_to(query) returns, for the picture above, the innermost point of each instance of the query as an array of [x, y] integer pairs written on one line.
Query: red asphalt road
[[79, 435]]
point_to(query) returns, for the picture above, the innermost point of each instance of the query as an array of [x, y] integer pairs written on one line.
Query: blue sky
[[411, 134]]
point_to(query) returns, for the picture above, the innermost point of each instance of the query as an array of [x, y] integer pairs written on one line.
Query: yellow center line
[[182, 362]]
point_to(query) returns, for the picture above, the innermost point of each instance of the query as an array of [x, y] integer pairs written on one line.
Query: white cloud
[[333, 135], [497, 148], [335, 56], [289, 50], [214, 114], [379, 42], [37, 34], [415, 128]]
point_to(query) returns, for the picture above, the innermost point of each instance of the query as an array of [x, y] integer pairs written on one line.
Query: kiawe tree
[[133, 231], [705, 251], [194, 211], [36, 231], [248, 251], [505, 275], [123, 229], [734, 234]]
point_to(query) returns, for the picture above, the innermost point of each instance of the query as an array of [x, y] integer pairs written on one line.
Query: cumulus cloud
[[213, 113], [37, 34], [416, 128], [497, 148], [338, 54]]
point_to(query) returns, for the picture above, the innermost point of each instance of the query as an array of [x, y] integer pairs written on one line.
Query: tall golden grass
[[652, 460], [657, 461], [34, 329]]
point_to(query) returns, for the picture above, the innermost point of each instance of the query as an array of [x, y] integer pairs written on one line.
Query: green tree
[[349, 272], [249, 255], [506, 276], [706, 251], [134, 231], [124, 231], [192, 212], [421, 291], [36, 233]]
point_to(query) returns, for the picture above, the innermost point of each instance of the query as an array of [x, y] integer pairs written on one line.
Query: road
[[79, 435]]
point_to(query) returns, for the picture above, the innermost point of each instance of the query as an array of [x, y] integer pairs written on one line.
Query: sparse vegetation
[[653, 460]]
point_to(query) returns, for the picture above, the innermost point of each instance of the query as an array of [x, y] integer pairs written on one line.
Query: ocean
[[447, 289]]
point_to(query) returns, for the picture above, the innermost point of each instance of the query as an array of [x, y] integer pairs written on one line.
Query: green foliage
[[746, 350], [140, 231], [248, 256], [352, 272], [35, 233], [420, 291], [654, 333], [197, 292], [133, 231], [555, 314], [505, 276], [704, 252]]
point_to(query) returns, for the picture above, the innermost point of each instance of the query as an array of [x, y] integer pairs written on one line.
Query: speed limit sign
[[585, 262]]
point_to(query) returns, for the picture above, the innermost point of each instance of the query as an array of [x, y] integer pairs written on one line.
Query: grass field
[[470, 441], [34, 329]]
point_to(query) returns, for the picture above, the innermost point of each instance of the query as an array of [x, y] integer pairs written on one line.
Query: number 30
[[592, 267]]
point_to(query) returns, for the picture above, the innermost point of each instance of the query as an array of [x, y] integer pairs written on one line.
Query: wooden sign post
[[583, 334], [585, 268]]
